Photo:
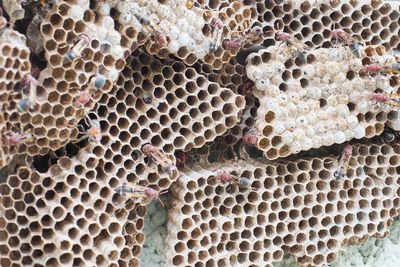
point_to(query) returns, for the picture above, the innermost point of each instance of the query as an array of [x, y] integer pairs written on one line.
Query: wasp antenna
[[88, 119], [163, 192], [278, 25], [92, 113], [269, 31], [124, 229], [211, 178]]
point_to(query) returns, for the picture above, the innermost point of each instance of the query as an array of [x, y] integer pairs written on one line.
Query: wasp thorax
[[150, 192]]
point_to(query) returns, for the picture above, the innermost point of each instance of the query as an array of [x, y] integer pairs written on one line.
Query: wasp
[[81, 42], [231, 178], [158, 157], [294, 47], [344, 162], [158, 36], [27, 85], [14, 138], [96, 82], [134, 191], [251, 137], [381, 68], [372, 68], [93, 134], [83, 98], [339, 36], [393, 99], [217, 32], [248, 38]]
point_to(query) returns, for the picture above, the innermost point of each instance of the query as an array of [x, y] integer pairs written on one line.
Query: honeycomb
[[124, 101], [14, 59], [68, 216], [233, 76], [57, 113], [375, 22], [320, 103], [164, 105], [131, 37], [297, 207], [188, 31], [239, 19], [14, 65]]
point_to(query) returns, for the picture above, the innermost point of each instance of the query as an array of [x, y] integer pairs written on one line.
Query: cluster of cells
[[303, 19], [238, 20], [232, 76], [14, 61], [169, 106], [322, 102], [166, 28], [71, 75], [375, 22], [86, 72], [116, 108], [14, 65], [157, 98], [296, 207], [68, 216]]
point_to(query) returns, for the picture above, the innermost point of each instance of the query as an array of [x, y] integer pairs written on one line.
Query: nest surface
[[107, 105]]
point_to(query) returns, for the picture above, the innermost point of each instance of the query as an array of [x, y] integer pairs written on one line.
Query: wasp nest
[[375, 22], [297, 207], [320, 103], [167, 28], [191, 110], [112, 100], [14, 65], [238, 19], [169, 106], [232, 76], [84, 58], [14, 60], [68, 216]]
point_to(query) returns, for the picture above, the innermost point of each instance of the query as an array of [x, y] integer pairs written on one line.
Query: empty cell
[[59, 35], [277, 255]]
